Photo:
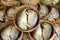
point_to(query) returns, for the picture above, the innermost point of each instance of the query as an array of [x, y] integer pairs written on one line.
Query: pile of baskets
[[29, 19]]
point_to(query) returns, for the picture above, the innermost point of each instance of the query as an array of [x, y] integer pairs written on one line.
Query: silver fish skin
[[37, 35], [22, 20], [54, 14], [27, 19], [44, 12], [32, 18], [46, 30], [1, 15], [9, 33], [10, 12]]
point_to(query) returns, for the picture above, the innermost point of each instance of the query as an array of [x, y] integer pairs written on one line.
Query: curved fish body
[[43, 11], [9, 33], [37, 35], [1, 15], [27, 19], [46, 30], [54, 14], [10, 12]]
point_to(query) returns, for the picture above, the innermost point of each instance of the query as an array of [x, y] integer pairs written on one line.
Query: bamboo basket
[[49, 9], [19, 9], [40, 22], [12, 21], [4, 25], [6, 14]]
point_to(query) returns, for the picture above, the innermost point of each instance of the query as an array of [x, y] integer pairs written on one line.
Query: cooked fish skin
[[47, 29], [32, 18], [22, 20], [9, 33], [1, 15], [54, 14], [27, 19], [37, 35], [10, 12], [44, 12]]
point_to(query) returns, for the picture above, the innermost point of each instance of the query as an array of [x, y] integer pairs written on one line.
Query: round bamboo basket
[[46, 17], [42, 21], [5, 5], [49, 9], [19, 9], [6, 14], [4, 25]]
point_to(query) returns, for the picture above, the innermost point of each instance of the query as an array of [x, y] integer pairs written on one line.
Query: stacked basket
[[29, 19]]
